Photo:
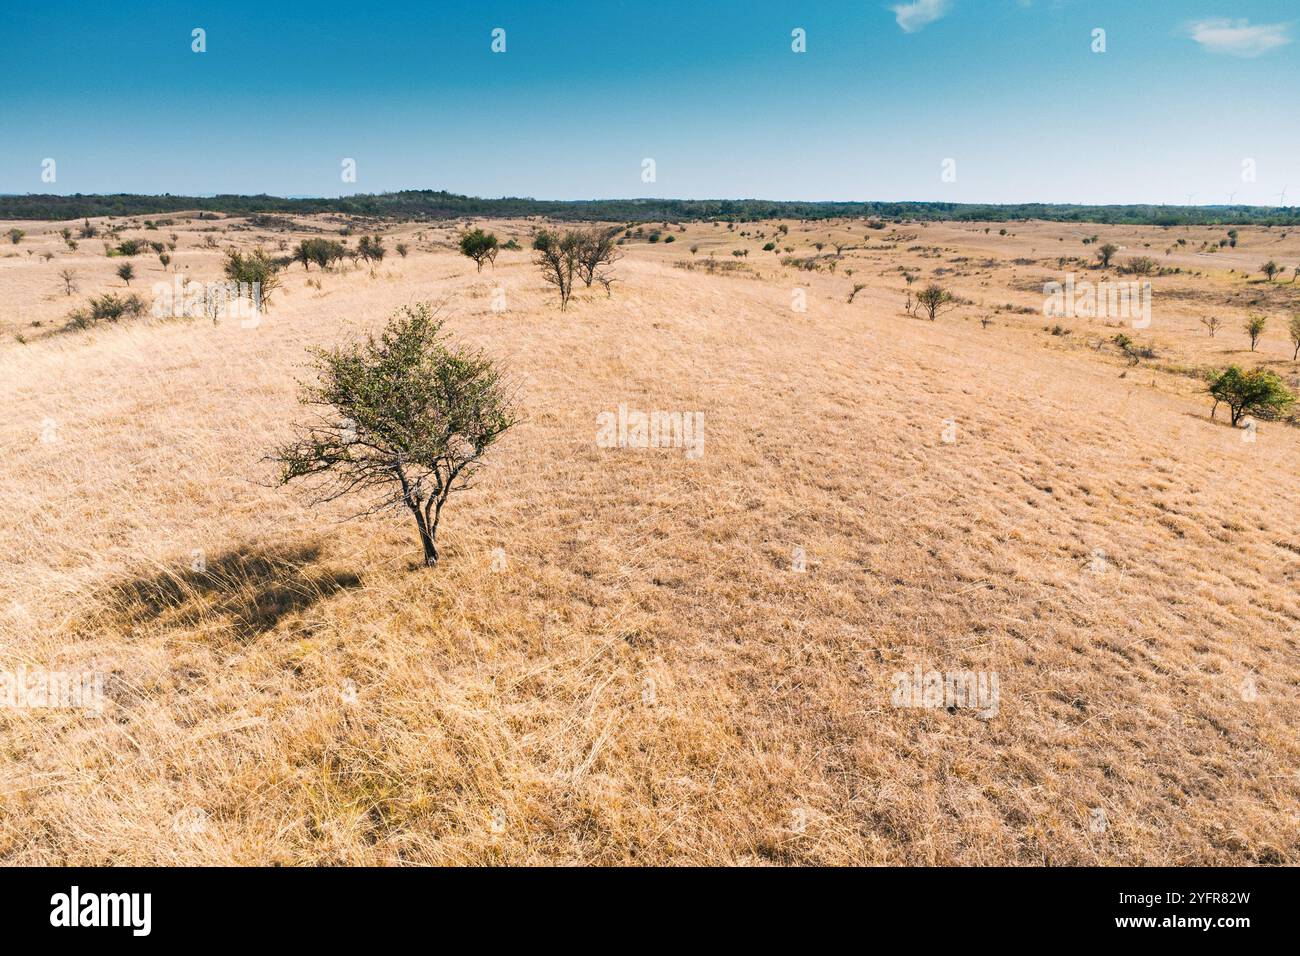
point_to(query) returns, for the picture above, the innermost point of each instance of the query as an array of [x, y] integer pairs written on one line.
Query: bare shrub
[[557, 257]]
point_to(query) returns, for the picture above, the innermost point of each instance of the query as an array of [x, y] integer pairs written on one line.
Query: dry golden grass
[[647, 681]]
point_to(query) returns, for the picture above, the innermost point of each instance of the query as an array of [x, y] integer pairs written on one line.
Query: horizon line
[[304, 197]]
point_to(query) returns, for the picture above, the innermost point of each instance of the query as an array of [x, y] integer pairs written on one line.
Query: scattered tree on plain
[[1257, 392], [934, 299], [596, 248], [405, 419], [480, 246], [323, 252], [1255, 328], [557, 257]]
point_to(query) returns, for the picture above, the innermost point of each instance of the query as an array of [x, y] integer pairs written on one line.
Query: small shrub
[[255, 274], [106, 308], [1132, 350], [371, 248]]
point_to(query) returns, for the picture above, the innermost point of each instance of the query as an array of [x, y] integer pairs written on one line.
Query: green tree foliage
[[438, 204], [1257, 392], [480, 246]]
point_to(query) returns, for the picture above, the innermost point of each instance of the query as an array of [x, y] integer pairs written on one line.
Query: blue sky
[[710, 89]]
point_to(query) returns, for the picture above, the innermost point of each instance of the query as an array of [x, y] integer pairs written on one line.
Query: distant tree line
[[438, 204]]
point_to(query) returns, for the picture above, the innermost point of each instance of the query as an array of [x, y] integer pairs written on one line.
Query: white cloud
[[913, 16], [1238, 37]]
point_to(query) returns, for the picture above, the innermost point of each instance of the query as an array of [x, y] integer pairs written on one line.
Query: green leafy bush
[[1257, 392]]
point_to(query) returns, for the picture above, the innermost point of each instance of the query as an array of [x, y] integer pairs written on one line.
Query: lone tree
[[15, 235], [1270, 270], [1255, 328], [557, 257], [69, 279], [933, 298], [480, 246], [1258, 391], [126, 272], [1212, 324], [597, 248], [404, 418], [1105, 253], [1294, 329]]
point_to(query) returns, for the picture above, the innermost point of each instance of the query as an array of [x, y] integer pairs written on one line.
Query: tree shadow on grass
[[246, 591]]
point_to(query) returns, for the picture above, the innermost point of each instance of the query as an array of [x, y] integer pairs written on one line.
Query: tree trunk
[[426, 537], [430, 552]]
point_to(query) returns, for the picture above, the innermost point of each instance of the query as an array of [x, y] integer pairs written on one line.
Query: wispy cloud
[[1238, 37], [913, 16]]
